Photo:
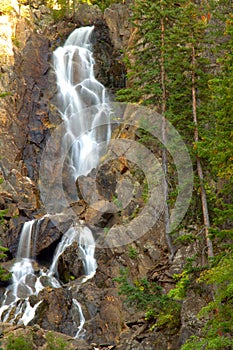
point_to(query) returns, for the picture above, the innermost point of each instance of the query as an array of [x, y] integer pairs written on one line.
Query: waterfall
[[82, 319], [77, 91], [24, 247], [84, 237], [87, 250], [16, 307]]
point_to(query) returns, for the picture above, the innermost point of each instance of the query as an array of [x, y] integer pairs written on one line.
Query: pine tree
[[148, 68], [169, 70], [152, 21], [216, 145], [4, 275], [175, 66]]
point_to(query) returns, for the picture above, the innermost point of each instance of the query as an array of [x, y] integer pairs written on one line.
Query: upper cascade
[[83, 103]]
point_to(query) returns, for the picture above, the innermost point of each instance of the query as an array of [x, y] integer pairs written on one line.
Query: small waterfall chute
[[87, 250], [81, 318], [24, 247], [16, 307]]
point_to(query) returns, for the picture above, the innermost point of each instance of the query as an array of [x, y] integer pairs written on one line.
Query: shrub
[[160, 310], [55, 343], [19, 343]]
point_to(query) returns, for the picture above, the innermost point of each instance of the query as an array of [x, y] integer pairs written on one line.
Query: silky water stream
[[77, 90]]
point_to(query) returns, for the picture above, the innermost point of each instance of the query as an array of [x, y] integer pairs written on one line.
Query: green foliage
[[135, 212], [19, 342], [62, 8], [145, 192], [218, 331], [2, 252], [197, 36], [103, 4], [183, 280], [160, 68], [6, 7], [4, 94], [17, 43], [25, 342], [132, 252], [216, 143], [3, 212], [4, 275], [219, 342], [185, 239], [147, 139], [106, 230], [138, 292], [117, 202], [55, 343], [160, 309]]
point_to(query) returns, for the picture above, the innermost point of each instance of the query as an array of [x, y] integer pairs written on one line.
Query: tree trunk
[[164, 151], [199, 166]]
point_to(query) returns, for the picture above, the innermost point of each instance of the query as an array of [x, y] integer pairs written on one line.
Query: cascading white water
[[82, 319], [86, 244], [78, 90], [24, 247], [84, 237], [16, 307], [87, 250]]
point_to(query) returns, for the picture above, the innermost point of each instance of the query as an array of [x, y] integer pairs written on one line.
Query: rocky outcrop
[[117, 18], [24, 120], [37, 338]]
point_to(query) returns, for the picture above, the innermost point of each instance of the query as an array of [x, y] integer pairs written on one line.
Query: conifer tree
[[4, 274], [148, 82], [152, 21], [216, 144], [169, 70], [173, 66]]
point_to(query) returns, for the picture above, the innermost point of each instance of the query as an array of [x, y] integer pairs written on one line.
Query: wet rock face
[[24, 127], [117, 19], [33, 64], [70, 265], [28, 107], [109, 69], [55, 311]]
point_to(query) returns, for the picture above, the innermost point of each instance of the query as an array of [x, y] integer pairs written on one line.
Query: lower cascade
[[78, 89], [28, 280]]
